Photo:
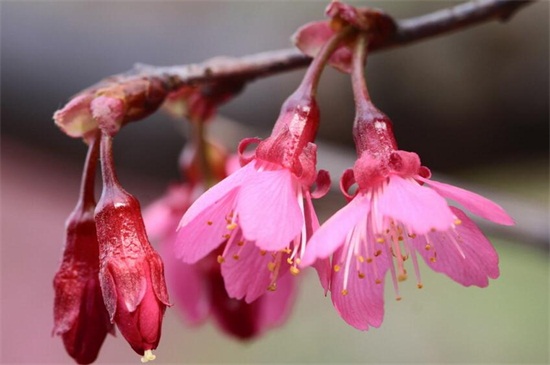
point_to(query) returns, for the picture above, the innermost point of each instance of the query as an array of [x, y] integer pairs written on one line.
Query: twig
[[269, 63]]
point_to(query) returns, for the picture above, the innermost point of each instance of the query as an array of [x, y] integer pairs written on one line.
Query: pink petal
[[188, 287], [322, 266], [217, 192], [333, 232], [480, 260], [475, 203], [274, 307], [161, 218], [268, 209], [248, 276], [420, 209], [201, 235], [363, 305]]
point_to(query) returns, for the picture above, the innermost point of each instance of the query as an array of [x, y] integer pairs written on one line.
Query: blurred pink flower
[[199, 289]]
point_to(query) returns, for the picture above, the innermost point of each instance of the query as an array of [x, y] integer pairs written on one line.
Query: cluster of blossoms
[[237, 231]]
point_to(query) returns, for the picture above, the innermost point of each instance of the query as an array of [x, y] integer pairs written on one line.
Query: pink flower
[[199, 289], [262, 213], [397, 213]]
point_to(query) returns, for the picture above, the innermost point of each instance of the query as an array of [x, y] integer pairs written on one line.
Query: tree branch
[[269, 63]]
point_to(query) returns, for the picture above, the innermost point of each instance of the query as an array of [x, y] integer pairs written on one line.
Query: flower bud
[[131, 272], [80, 316]]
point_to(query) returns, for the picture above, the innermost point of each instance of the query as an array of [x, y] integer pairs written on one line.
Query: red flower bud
[[80, 317], [131, 272]]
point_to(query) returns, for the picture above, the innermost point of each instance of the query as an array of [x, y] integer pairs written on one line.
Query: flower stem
[[360, 92], [107, 163], [87, 185], [199, 133], [313, 73], [372, 129]]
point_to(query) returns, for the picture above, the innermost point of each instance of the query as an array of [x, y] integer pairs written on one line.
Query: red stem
[[107, 163], [87, 185]]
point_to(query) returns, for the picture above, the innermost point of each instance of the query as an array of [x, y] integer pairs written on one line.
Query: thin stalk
[[313, 73], [87, 185], [199, 134], [360, 92], [107, 163]]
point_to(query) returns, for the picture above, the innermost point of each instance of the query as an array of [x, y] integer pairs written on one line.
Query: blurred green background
[[473, 104]]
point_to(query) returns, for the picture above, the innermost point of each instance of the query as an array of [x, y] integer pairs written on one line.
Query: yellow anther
[[297, 260], [148, 356], [231, 226], [432, 259], [289, 261], [272, 287], [221, 260], [404, 257], [336, 268], [263, 252], [240, 243], [402, 277], [398, 298], [428, 247], [209, 223], [236, 257], [226, 236], [457, 222], [287, 250], [412, 235], [361, 275], [271, 266], [419, 285], [369, 260], [361, 258], [378, 281], [344, 292], [380, 240], [400, 238], [294, 270], [378, 253]]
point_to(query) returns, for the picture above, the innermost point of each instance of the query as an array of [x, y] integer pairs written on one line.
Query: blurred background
[[473, 104]]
